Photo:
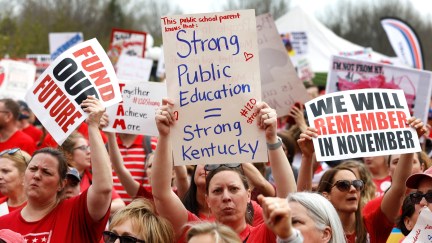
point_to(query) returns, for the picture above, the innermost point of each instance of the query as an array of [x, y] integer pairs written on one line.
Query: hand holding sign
[[165, 117], [418, 125], [305, 141], [94, 108], [268, 120]]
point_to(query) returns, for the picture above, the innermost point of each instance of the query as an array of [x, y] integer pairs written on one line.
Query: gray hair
[[322, 212]]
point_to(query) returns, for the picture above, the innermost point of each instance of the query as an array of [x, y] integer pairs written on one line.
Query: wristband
[[296, 237], [276, 145]]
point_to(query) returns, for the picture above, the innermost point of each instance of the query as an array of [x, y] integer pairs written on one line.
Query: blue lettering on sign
[[198, 131], [209, 95], [212, 44], [189, 153], [74, 40], [202, 75]]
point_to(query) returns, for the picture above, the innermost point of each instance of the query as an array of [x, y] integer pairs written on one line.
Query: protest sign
[[361, 123], [60, 42], [160, 71], [281, 87], [212, 70], [133, 68], [42, 61], [56, 96], [422, 231], [136, 113], [16, 78], [127, 42], [348, 74]]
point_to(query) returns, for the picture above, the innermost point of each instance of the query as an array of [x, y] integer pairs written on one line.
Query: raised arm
[[99, 193], [393, 198], [304, 180], [281, 168], [258, 181], [129, 183], [166, 201], [181, 180]]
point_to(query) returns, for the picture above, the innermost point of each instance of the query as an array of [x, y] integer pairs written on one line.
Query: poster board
[[212, 71], [16, 78], [134, 68], [126, 42], [60, 42]]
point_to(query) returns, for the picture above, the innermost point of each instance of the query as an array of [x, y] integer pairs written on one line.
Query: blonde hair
[[20, 159], [220, 232], [145, 223]]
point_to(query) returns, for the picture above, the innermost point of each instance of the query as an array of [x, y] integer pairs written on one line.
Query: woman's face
[[41, 178], [200, 176], [227, 197], [305, 224], [126, 229], [344, 201], [81, 155], [425, 186], [394, 160], [411, 221], [10, 178]]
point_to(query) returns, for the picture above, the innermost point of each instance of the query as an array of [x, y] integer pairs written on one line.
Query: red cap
[[414, 180], [10, 236]]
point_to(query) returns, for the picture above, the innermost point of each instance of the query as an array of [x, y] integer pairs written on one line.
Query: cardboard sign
[[281, 87], [16, 78], [361, 123], [60, 42], [212, 70], [348, 74], [422, 231], [42, 61], [56, 96], [134, 68], [127, 42], [136, 113]]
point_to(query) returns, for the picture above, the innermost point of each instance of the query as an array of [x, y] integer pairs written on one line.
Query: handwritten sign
[[60, 42], [348, 74], [127, 42], [361, 123], [136, 113], [212, 70], [422, 231], [56, 96], [281, 87], [16, 78], [134, 68]]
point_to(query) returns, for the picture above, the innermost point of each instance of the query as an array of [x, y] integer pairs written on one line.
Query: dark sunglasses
[[12, 152], [110, 237], [83, 148], [345, 185], [416, 197], [215, 166]]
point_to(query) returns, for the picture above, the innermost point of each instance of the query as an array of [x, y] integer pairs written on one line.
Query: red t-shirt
[[5, 208], [19, 140], [33, 132], [70, 221], [382, 185], [86, 181], [377, 224]]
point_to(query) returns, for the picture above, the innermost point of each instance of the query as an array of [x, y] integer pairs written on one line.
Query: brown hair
[[20, 159], [12, 106], [220, 232], [68, 147]]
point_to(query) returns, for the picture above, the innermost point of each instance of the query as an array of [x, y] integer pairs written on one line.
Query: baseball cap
[[73, 173], [10, 236], [414, 180]]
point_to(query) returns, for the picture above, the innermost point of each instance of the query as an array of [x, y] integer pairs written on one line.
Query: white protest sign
[[348, 74], [16, 78], [422, 231], [133, 68], [126, 42], [212, 70], [361, 123], [56, 96], [60, 42], [281, 87], [136, 113]]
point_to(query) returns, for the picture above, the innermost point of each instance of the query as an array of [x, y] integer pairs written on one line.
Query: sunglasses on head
[[215, 166], [416, 197], [110, 237], [345, 185], [12, 152]]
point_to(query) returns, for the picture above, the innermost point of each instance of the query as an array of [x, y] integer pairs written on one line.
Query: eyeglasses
[[215, 166], [416, 197], [345, 185], [83, 148], [110, 237], [12, 152]]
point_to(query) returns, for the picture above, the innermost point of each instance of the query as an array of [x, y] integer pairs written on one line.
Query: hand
[[418, 125], [277, 215], [305, 141], [104, 121], [94, 108], [298, 115], [165, 116], [267, 120]]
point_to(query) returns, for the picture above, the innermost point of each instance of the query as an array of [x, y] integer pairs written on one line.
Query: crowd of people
[[106, 187]]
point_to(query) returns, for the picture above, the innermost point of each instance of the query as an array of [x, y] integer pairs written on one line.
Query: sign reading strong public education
[[361, 123], [56, 96], [212, 70]]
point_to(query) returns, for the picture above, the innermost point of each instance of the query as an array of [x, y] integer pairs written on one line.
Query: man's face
[[72, 188]]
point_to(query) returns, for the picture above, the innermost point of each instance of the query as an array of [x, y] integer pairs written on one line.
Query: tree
[[276, 7]]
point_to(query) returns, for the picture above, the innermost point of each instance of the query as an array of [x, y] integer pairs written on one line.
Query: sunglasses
[[12, 152], [345, 185], [110, 237], [215, 166], [416, 197], [83, 148]]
